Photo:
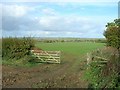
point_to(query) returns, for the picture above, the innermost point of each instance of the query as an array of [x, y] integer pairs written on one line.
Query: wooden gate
[[96, 58], [47, 56]]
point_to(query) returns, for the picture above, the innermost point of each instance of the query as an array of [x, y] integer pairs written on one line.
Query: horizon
[[56, 19], [51, 37]]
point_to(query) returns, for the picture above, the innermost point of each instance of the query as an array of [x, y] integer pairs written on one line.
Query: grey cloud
[[50, 26], [60, 25], [20, 23]]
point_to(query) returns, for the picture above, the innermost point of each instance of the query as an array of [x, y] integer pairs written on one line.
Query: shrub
[[16, 47], [105, 76]]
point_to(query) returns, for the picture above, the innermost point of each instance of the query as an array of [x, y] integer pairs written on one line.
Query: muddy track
[[66, 74]]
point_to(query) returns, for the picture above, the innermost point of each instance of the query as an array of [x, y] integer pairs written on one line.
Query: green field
[[74, 48], [68, 74]]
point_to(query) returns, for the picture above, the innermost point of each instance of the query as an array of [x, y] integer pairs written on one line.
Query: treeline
[[72, 40], [16, 47]]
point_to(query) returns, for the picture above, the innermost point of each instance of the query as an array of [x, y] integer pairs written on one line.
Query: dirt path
[[67, 74]]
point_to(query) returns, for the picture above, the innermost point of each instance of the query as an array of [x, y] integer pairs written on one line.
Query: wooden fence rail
[[95, 58], [47, 56]]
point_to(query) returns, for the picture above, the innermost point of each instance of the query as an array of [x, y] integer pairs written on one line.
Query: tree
[[112, 34]]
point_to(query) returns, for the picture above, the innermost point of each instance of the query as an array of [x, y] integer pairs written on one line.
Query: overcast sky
[[57, 19]]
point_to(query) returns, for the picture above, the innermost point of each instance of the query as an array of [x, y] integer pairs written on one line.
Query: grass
[[69, 73], [74, 48], [72, 58], [23, 62]]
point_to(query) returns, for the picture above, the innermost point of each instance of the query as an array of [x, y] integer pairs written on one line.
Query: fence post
[[88, 58]]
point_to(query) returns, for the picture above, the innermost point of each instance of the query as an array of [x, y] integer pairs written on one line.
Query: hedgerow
[[16, 47], [103, 75]]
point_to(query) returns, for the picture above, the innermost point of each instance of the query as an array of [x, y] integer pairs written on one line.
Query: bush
[[105, 76], [16, 47]]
